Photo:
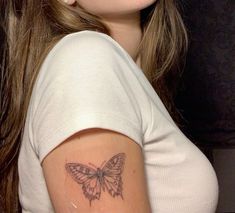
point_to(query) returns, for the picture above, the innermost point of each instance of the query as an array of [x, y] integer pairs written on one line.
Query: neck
[[127, 32]]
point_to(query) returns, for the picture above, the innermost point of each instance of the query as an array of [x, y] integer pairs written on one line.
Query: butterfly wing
[[87, 177], [92, 189], [79, 172], [112, 171]]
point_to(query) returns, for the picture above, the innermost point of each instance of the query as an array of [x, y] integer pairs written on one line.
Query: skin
[[96, 147], [122, 17]]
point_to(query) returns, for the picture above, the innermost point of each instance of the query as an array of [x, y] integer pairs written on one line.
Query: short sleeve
[[82, 85]]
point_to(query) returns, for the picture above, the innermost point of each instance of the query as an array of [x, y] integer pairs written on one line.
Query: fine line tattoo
[[105, 177]]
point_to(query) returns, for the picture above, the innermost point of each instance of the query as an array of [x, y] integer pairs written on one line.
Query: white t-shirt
[[87, 81]]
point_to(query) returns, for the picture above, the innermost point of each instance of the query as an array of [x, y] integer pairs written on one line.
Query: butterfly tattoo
[[93, 181]]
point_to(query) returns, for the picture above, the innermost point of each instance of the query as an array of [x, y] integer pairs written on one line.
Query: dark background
[[207, 93]]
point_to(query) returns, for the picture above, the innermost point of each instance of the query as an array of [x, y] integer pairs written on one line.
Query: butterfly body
[[93, 180]]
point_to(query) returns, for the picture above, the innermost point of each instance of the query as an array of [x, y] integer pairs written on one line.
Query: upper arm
[[119, 186], [84, 113]]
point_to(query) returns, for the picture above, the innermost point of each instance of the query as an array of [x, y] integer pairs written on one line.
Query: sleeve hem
[[92, 120]]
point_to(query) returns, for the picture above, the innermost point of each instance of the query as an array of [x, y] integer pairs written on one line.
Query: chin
[[144, 3], [115, 7]]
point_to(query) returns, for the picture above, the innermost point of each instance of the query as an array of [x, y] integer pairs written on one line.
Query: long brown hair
[[30, 28]]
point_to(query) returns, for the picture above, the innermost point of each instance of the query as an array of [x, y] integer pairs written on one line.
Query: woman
[[91, 133]]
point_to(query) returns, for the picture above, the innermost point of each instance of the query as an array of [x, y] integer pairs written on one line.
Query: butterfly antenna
[[103, 164], [91, 164]]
